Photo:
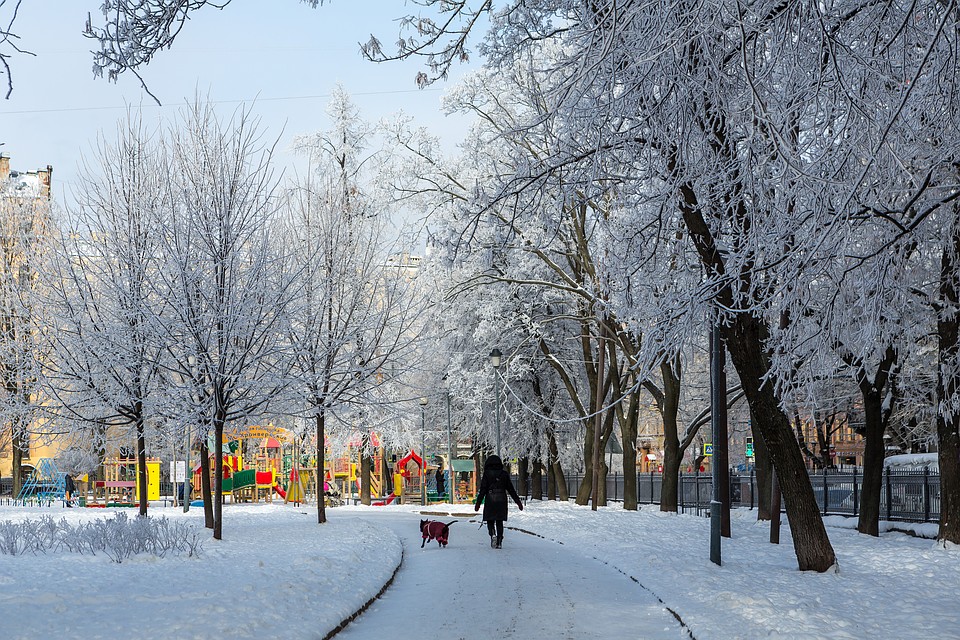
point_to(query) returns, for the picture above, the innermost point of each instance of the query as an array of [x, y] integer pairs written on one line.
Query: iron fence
[[905, 495]]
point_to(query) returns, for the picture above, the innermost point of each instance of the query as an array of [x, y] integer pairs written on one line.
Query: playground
[[260, 464]]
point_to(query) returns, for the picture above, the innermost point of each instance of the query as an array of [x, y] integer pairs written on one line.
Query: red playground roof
[[411, 456]]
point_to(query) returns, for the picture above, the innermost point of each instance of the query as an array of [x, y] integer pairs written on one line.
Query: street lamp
[[423, 452], [495, 356], [450, 477], [187, 475]]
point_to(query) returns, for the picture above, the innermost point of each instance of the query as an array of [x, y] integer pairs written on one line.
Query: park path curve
[[531, 588]]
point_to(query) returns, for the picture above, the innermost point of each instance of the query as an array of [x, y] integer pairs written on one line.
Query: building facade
[[24, 207]]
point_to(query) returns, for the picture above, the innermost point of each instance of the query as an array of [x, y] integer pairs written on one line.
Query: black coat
[[68, 484], [494, 487]]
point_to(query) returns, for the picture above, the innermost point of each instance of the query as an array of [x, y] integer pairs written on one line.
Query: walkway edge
[[683, 625], [366, 605]]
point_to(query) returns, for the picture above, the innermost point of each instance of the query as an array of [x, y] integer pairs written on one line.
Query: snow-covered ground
[[617, 574]]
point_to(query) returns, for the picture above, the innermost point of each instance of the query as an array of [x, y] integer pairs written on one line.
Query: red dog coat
[[435, 530]]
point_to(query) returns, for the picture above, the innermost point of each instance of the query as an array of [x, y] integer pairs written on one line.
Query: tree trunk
[[869, 519], [218, 475], [949, 457], [551, 482], [603, 468], [744, 339], [366, 468], [205, 491], [522, 475], [628, 438], [321, 466], [586, 487], [17, 444], [763, 471], [669, 405], [141, 465], [536, 481], [948, 386], [556, 470]]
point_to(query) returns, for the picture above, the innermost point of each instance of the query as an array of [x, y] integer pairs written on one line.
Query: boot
[[493, 542], [499, 541]]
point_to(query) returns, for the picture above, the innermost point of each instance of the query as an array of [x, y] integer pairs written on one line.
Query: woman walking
[[494, 488]]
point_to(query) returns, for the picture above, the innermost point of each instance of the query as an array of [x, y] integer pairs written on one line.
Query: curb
[[683, 625], [356, 614]]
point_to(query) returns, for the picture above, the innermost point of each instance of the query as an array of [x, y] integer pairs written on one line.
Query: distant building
[[24, 184], [24, 203]]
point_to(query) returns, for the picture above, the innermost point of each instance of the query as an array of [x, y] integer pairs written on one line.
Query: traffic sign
[[707, 448]]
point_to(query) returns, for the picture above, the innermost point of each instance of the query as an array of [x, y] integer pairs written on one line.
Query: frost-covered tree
[[779, 135], [352, 323], [104, 344], [226, 284], [24, 230]]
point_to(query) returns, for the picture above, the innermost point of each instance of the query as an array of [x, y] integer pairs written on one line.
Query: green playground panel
[[241, 479]]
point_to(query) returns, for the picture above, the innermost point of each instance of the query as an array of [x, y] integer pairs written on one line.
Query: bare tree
[[104, 342], [24, 224], [354, 322], [225, 282]]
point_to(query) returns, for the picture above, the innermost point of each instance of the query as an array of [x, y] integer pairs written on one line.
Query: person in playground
[[494, 488], [69, 488], [440, 481]]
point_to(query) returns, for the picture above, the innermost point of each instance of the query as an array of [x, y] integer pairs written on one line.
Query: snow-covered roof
[[25, 185]]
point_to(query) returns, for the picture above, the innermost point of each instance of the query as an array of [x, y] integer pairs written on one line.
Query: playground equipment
[[410, 471], [407, 475], [295, 489], [244, 483], [464, 481], [45, 483], [249, 485], [119, 485]]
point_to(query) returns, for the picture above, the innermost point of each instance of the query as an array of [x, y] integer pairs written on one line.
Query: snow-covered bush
[[118, 538]]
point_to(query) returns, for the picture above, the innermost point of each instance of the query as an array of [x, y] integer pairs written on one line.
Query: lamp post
[[495, 357], [187, 475], [720, 502], [449, 455], [423, 451]]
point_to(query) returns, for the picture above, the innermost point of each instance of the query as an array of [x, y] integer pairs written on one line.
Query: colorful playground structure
[[119, 486], [45, 484], [260, 461], [410, 472], [249, 483]]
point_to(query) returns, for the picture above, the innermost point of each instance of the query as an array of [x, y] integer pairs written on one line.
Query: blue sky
[[287, 58]]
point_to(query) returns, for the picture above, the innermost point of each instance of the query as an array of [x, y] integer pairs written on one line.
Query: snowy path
[[532, 588]]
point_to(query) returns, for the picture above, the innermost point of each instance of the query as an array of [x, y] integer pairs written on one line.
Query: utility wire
[[237, 101]]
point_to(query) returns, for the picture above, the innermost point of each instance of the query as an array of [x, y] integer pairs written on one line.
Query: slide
[[280, 492]]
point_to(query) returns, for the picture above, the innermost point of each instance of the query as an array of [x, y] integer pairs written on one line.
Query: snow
[[914, 460], [275, 574], [608, 573]]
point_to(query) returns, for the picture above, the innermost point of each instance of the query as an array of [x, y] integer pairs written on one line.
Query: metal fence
[[908, 496]]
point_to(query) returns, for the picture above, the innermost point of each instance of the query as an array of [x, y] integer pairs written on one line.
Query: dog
[[435, 530]]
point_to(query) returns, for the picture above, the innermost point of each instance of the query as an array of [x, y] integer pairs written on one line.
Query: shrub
[[118, 538]]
